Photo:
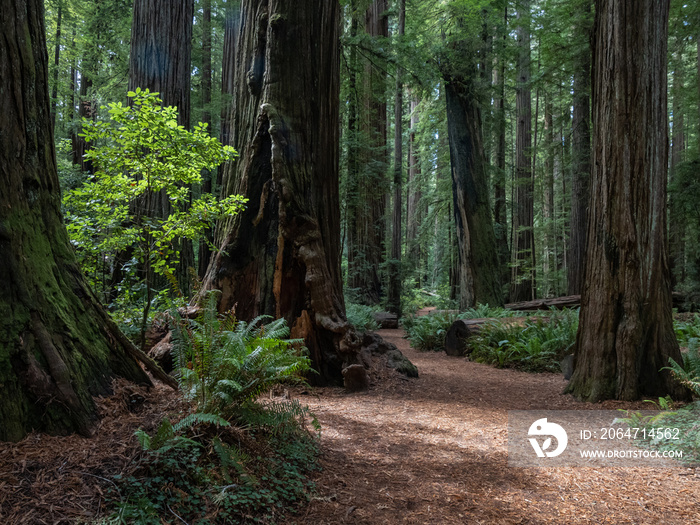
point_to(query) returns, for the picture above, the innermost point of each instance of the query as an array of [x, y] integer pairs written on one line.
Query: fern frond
[[198, 418]]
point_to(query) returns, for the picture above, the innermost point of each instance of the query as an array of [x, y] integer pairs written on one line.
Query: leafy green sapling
[[146, 164]]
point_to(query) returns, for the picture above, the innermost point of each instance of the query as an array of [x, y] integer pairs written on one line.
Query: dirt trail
[[433, 450]]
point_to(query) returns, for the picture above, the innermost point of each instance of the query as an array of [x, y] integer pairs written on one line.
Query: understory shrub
[[206, 470], [537, 346], [687, 331], [238, 458], [427, 332], [361, 316], [222, 362], [688, 373], [656, 435]]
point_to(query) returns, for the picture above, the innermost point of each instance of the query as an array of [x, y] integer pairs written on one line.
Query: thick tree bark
[[281, 256], [57, 346], [626, 329], [522, 286], [580, 160], [479, 271], [228, 71], [367, 227], [394, 269], [161, 47]]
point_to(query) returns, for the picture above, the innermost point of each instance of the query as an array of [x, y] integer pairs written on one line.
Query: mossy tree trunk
[[281, 256], [57, 346], [479, 268], [626, 331], [394, 266]]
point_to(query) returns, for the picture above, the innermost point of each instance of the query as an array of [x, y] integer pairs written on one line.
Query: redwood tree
[[580, 157], [281, 256], [58, 348], [366, 223], [479, 269], [522, 286], [394, 266], [161, 48], [626, 329]]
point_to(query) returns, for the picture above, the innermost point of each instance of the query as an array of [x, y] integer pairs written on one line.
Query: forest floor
[[433, 450], [430, 450]]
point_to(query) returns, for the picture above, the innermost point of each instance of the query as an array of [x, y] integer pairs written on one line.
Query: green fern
[[223, 362], [687, 374], [198, 418]]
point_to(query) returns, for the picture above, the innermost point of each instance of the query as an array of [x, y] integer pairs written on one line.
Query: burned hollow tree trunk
[[281, 256]]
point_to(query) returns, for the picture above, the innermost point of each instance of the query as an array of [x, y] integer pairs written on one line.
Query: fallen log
[[680, 301], [457, 336], [568, 301]]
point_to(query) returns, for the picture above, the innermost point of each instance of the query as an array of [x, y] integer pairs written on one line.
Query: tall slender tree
[[394, 288], [58, 347], [499, 148], [204, 250], [625, 334], [580, 155], [479, 270], [367, 225], [522, 286]]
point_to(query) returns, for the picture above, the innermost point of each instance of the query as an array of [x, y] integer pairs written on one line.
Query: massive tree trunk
[[479, 271], [522, 286], [161, 48], [57, 346], [228, 70], [626, 329], [281, 256], [394, 269], [580, 159], [367, 227]]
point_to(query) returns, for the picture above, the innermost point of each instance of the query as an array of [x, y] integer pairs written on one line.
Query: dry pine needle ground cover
[[426, 450], [433, 450]]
